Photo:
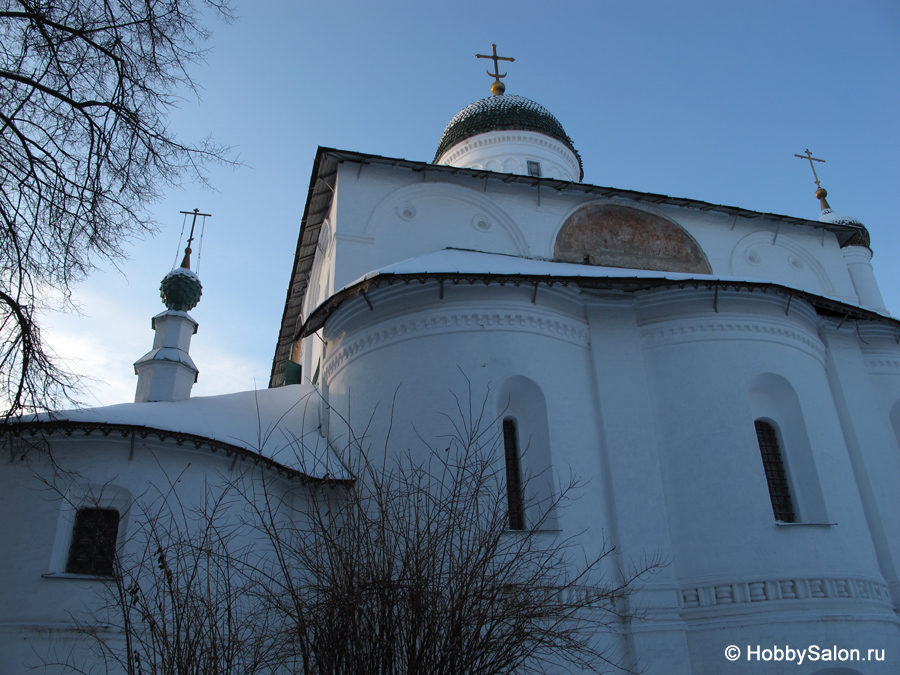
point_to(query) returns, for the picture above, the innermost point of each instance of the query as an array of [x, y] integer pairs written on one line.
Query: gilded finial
[[497, 87]]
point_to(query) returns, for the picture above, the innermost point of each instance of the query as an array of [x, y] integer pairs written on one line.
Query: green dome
[[506, 112], [180, 289]]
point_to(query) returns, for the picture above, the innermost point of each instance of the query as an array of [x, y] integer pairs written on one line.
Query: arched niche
[[760, 255], [613, 235], [773, 399], [521, 400], [424, 217]]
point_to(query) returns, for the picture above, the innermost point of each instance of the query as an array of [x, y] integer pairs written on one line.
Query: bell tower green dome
[[180, 289]]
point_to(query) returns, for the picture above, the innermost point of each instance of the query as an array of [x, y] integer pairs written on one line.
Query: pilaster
[[634, 487]]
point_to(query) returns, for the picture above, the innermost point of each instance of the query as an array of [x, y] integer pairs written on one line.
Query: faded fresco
[[617, 236]]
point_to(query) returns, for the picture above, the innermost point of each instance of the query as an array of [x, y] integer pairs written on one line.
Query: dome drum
[[518, 152]]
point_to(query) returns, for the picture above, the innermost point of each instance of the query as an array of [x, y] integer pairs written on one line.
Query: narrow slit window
[[93, 548], [776, 476], [513, 476]]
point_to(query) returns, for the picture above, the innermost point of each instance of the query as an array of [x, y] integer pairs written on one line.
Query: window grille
[[93, 549], [513, 476], [776, 477]]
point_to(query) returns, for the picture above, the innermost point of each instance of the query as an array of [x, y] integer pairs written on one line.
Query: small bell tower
[[167, 372]]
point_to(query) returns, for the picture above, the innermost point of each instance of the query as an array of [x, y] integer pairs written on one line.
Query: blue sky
[[708, 100]]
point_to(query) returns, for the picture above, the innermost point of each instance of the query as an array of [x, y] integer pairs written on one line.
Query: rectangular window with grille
[[776, 476], [513, 476], [93, 548]]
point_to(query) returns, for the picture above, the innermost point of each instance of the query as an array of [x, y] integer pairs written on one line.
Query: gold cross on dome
[[496, 74], [812, 166]]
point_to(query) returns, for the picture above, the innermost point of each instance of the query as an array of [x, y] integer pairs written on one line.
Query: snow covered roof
[[474, 266], [461, 261], [279, 426]]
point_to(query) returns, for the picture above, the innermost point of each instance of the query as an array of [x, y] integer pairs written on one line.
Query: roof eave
[[822, 305]]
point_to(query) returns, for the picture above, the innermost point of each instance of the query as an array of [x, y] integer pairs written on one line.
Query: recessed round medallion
[[482, 223], [406, 211]]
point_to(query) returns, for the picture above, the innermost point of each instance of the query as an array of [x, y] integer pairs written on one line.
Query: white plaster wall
[[702, 365], [37, 613], [406, 369], [405, 362], [631, 481], [859, 266]]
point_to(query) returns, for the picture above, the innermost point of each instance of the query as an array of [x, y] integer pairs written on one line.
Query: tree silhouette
[[85, 147]]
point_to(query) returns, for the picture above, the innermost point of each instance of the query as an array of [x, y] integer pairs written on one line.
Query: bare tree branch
[[85, 90]]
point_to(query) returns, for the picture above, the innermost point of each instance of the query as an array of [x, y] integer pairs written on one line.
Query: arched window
[[776, 476], [515, 502]]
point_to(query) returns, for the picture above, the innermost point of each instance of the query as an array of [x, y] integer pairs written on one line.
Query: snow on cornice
[[279, 425], [477, 267]]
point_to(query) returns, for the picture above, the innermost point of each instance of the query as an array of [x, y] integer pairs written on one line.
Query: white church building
[[724, 383]]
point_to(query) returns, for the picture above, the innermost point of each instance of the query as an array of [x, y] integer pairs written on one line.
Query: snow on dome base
[[861, 238], [498, 113]]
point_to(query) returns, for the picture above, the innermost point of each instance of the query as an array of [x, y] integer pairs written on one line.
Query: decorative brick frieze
[[884, 365], [785, 590]]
